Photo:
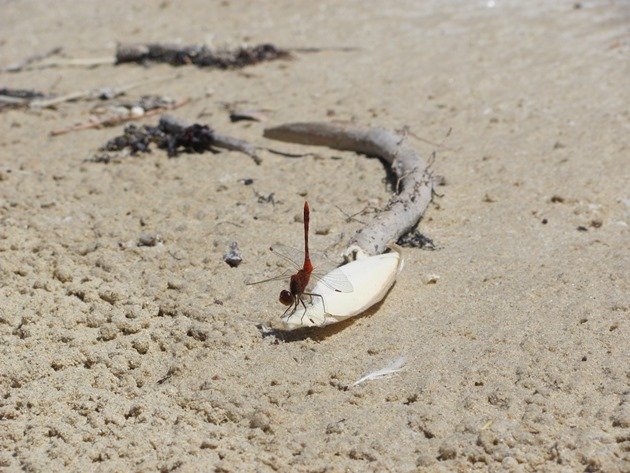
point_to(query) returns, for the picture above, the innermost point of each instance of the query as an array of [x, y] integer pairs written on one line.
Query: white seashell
[[371, 278]]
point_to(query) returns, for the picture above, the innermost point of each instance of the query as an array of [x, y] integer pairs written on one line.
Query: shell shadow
[[319, 334]]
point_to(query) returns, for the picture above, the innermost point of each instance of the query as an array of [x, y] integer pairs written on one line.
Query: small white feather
[[395, 366]]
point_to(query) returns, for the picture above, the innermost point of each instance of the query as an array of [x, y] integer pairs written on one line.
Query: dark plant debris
[[202, 56], [175, 137], [138, 139], [416, 239], [266, 199]]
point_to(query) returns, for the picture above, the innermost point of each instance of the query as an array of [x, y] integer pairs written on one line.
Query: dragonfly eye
[[285, 297]]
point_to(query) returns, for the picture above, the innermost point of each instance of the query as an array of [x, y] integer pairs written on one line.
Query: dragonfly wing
[[281, 277], [291, 255], [326, 271], [335, 280]]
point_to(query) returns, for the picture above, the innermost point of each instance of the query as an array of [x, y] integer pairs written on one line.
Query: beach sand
[[118, 357]]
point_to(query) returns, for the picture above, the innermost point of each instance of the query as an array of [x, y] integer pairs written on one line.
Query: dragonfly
[[299, 281]]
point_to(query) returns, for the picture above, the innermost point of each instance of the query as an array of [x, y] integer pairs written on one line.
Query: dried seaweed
[[415, 239], [201, 56], [173, 136], [138, 139]]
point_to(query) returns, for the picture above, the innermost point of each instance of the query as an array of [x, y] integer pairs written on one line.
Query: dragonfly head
[[286, 298]]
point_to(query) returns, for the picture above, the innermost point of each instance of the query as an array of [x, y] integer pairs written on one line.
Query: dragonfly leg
[[304, 305], [292, 307], [311, 294]]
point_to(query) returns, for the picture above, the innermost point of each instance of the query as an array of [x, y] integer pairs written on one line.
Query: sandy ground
[[123, 358]]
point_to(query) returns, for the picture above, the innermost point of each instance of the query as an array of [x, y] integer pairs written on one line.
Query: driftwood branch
[[202, 56], [415, 188], [175, 125]]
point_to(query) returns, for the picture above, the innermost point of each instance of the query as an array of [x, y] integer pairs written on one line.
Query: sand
[[117, 357]]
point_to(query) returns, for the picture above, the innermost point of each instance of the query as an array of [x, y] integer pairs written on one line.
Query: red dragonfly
[[299, 281]]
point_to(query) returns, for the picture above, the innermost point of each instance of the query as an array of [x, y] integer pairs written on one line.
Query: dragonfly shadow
[[320, 334]]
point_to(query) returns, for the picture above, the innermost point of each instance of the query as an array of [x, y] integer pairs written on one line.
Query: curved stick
[[415, 183]]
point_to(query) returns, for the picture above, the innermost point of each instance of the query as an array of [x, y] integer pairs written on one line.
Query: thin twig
[[407, 130], [113, 121], [344, 49], [73, 62], [350, 218], [108, 92], [19, 66], [289, 155]]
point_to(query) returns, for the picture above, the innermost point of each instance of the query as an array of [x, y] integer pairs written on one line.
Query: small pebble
[[141, 345], [425, 460], [447, 451], [233, 256], [175, 284], [430, 278], [149, 239], [439, 180], [108, 332], [62, 274], [137, 111], [260, 421], [110, 296], [324, 230]]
